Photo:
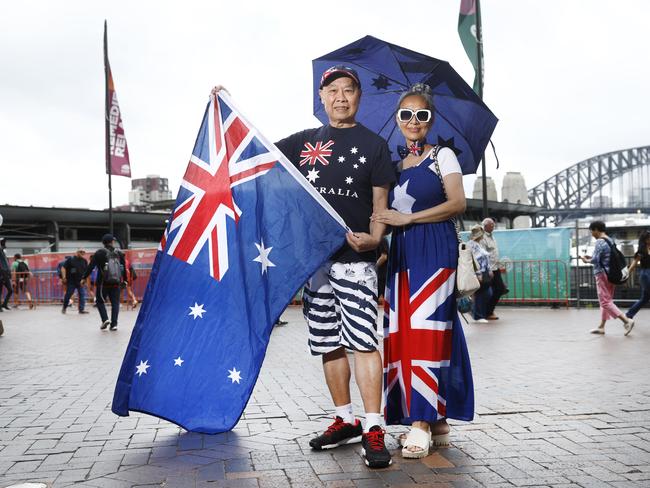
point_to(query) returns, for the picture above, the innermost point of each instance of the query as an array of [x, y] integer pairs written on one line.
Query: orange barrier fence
[[45, 287]]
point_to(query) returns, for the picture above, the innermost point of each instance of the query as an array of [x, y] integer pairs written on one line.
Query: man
[[111, 274], [498, 288], [5, 276], [350, 167], [72, 271], [21, 276]]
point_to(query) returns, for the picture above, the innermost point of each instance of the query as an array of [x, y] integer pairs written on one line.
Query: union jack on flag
[[227, 153], [310, 154], [417, 347]]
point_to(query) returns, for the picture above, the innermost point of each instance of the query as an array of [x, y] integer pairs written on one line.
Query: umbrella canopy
[[462, 121]]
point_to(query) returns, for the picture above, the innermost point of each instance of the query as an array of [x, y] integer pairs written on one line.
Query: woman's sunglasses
[[406, 114]]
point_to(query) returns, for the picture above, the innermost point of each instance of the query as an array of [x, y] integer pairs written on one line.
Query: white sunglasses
[[406, 114]]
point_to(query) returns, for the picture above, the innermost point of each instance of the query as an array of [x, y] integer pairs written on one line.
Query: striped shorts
[[340, 307]]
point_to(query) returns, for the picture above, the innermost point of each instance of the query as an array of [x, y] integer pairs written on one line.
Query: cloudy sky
[[567, 79]]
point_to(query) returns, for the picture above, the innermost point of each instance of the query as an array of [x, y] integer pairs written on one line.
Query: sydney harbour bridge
[[616, 182]]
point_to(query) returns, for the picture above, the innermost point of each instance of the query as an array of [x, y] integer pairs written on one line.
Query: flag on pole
[[467, 30], [118, 153], [247, 231]]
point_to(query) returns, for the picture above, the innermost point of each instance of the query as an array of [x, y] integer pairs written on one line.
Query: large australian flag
[[246, 233]]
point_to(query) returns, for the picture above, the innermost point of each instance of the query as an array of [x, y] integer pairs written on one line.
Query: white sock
[[373, 419], [345, 412]]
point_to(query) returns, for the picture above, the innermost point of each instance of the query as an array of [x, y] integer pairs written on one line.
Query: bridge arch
[[572, 187]]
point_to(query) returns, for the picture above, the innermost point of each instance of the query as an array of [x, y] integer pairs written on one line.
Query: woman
[[427, 373], [642, 260], [604, 289], [482, 295]]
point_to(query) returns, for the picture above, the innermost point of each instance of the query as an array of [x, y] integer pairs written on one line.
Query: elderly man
[[351, 167], [498, 288]]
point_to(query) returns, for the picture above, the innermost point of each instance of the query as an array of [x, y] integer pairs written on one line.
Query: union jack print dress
[[427, 371]]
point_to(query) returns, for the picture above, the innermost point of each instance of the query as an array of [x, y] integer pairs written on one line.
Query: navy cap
[[108, 238], [331, 74]]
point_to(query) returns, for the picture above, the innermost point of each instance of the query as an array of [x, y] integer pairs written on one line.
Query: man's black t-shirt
[[75, 267], [343, 165]]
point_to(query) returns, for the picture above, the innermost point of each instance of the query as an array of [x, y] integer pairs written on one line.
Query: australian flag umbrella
[[462, 121], [246, 232]]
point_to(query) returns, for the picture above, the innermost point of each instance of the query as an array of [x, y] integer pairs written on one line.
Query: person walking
[[497, 287], [5, 276], [72, 273], [483, 294], [21, 276], [642, 261], [605, 289], [111, 275], [424, 343]]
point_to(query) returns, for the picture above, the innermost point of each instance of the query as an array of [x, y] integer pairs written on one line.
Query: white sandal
[[440, 440], [416, 438]]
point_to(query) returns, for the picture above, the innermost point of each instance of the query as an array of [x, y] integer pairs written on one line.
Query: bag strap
[[434, 156]]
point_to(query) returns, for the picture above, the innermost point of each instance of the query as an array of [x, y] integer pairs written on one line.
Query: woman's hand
[[391, 217]]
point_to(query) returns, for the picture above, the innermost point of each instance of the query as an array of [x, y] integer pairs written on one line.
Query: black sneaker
[[83, 311], [105, 324], [63, 310], [374, 450], [114, 327], [337, 434], [5, 306]]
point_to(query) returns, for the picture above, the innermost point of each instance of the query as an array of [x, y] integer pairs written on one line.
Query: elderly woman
[[482, 296], [427, 373]]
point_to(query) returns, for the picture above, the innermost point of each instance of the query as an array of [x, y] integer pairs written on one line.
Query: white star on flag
[[355, 166], [197, 311], [264, 255], [349, 180], [402, 201], [312, 175], [354, 150], [362, 160], [234, 375], [142, 367], [178, 361], [341, 159]]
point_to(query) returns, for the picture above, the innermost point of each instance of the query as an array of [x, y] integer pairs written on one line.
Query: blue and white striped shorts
[[340, 307]]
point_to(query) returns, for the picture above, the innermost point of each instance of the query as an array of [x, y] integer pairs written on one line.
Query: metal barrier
[[45, 287], [537, 281]]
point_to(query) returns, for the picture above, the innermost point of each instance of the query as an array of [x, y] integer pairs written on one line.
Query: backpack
[[112, 270], [61, 265], [617, 272], [22, 267]]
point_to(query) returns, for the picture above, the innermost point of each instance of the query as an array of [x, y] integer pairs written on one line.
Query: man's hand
[[362, 241], [391, 217]]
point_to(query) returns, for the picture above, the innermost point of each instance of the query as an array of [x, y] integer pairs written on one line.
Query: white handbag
[[466, 280]]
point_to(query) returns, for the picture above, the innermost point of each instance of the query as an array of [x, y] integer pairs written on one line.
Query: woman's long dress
[[427, 372]]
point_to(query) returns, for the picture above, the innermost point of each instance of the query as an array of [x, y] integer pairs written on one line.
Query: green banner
[[467, 33]]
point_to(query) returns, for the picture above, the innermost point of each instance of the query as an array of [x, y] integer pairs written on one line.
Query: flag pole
[[479, 74], [107, 130]]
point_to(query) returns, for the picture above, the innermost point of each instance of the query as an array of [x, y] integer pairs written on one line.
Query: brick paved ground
[[556, 407]]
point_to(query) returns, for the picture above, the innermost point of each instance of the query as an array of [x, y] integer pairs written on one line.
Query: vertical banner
[[118, 152], [467, 30]]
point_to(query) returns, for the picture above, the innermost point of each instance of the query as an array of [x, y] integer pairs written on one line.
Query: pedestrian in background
[[497, 287], [5, 276], [111, 275], [605, 289], [484, 274], [72, 273], [642, 261], [21, 275]]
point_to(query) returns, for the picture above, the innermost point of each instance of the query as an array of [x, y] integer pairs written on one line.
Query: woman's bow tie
[[417, 148]]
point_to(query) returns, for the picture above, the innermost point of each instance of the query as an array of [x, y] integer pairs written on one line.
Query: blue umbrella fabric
[[462, 121]]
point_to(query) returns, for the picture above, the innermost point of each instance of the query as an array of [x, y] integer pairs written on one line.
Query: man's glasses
[[406, 114]]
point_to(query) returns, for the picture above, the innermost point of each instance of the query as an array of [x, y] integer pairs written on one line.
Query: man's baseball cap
[[107, 238], [331, 74]]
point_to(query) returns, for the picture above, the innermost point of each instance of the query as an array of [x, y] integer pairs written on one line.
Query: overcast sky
[[567, 79]]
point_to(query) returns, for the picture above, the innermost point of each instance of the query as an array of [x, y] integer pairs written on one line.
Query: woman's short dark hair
[[598, 225]]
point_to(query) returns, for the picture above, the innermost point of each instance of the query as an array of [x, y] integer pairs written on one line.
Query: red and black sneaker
[[373, 448], [337, 434]]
